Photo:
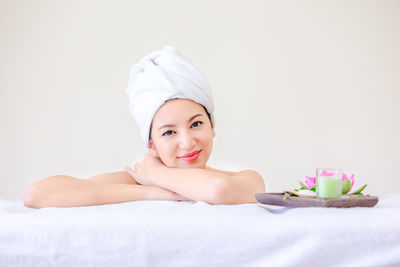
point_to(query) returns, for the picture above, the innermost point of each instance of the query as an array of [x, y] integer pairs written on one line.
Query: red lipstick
[[191, 156]]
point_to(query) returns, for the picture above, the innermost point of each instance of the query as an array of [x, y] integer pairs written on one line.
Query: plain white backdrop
[[297, 85]]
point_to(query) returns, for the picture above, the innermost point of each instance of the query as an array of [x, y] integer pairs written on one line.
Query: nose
[[187, 141]]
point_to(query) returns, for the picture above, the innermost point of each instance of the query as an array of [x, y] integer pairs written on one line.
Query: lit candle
[[329, 183]]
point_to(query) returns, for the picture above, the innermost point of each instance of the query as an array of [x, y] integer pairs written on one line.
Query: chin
[[200, 163], [189, 165]]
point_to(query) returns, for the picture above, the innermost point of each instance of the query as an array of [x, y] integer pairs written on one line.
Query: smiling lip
[[191, 156]]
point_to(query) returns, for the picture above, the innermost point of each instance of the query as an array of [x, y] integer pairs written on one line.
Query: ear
[[212, 130], [152, 149]]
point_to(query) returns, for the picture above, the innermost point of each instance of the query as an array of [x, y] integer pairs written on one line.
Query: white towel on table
[[166, 233]]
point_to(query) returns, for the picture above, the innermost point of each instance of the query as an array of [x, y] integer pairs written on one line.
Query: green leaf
[[358, 192], [346, 185], [285, 196], [305, 188]]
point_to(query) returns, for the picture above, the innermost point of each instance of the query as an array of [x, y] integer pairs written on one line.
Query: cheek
[[207, 139], [207, 143], [210, 147], [166, 152]]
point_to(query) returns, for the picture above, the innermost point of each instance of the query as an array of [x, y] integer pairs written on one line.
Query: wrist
[[157, 175], [158, 193]]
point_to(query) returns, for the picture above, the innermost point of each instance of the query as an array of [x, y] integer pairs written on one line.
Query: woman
[[173, 107]]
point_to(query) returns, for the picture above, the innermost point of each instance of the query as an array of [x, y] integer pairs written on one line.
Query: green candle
[[329, 187]]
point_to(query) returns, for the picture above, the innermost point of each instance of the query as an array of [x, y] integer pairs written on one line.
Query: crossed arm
[[150, 181], [209, 185]]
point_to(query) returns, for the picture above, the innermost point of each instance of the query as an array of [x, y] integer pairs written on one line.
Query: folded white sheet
[[163, 233]]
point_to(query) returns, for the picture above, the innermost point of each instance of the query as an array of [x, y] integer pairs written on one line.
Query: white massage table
[[163, 233]]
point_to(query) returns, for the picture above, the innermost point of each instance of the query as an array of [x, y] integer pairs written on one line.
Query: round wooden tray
[[296, 202]]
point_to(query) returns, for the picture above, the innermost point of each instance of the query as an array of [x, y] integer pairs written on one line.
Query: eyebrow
[[173, 125]]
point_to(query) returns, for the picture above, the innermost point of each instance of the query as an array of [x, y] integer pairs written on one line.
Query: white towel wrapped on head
[[161, 76]]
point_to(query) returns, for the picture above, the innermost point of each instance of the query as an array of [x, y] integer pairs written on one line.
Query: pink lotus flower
[[309, 182]]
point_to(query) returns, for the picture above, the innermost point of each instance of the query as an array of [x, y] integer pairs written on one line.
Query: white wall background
[[297, 85]]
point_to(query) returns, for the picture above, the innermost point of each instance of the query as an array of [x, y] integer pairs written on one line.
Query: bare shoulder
[[241, 174], [221, 171], [241, 186], [250, 174], [251, 177]]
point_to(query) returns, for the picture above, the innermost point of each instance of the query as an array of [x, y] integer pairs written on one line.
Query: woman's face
[[181, 134]]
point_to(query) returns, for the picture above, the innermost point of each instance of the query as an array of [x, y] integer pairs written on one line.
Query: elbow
[[32, 197], [43, 193], [38, 195], [219, 193]]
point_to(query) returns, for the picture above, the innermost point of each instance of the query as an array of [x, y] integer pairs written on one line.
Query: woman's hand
[[146, 171]]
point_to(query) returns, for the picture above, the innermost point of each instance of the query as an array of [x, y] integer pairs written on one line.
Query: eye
[[168, 133], [196, 124]]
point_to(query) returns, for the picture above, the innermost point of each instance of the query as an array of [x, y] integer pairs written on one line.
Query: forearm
[[120, 177], [195, 184], [66, 191]]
